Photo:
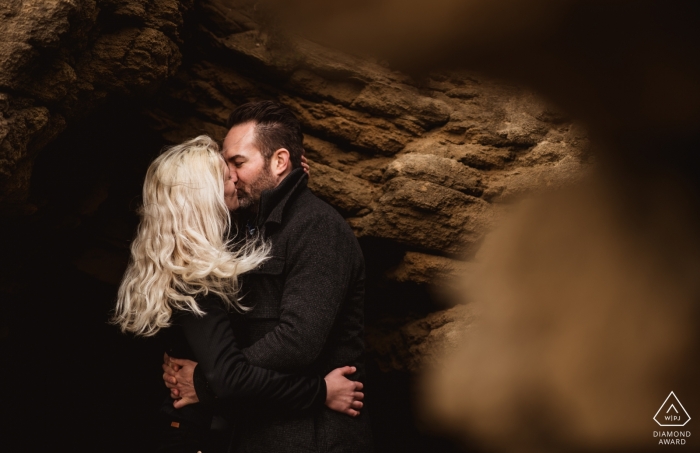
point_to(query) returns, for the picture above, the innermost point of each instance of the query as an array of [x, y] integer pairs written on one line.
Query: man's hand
[[169, 376], [342, 394], [178, 376]]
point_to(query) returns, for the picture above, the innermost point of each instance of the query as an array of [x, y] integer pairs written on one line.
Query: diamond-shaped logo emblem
[[671, 412]]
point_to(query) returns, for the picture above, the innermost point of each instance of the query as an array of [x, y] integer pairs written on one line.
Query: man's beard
[[250, 200]]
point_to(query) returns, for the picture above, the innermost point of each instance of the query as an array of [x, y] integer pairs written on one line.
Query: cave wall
[[422, 167], [61, 60], [426, 164]]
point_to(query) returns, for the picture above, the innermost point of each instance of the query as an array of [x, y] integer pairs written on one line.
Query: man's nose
[[232, 173]]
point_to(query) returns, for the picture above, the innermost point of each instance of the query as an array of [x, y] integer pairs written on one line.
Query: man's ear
[[280, 165]]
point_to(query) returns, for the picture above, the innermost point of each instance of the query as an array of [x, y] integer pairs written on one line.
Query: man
[[307, 299]]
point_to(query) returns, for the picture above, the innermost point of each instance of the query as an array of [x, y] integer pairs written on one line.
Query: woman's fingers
[[304, 164], [343, 395], [347, 370]]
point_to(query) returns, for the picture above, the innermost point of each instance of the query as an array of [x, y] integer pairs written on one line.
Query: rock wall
[[60, 60], [422, 167], [426, 164]]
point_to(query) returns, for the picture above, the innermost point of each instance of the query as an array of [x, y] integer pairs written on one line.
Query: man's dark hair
[[275, 127]]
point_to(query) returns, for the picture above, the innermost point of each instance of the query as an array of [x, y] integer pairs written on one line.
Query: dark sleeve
[[223, 371], [197, 417], [320, 270]]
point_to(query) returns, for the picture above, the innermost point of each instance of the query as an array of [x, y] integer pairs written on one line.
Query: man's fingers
[[182, 402], [172, 362], [168, 370], [352, 412], [359, 385], [357, 405], [171, 366], [359, 396], [169, 379]]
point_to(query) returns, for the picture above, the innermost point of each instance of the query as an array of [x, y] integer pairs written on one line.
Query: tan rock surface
[[426, 215], [419, 343], [425, 164], [58, 60], [427, 158], [428, 269]]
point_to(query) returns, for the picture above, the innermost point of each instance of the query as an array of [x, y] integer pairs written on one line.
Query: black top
[[308, 298], [307, 316], [223, 377]]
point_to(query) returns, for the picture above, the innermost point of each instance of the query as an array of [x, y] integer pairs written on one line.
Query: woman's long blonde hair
[[180, 250]]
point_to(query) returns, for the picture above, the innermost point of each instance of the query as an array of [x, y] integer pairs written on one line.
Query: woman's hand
[[305, 164], [342, 394], [178, 376]]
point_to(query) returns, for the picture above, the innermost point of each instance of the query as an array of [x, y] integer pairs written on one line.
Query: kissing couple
[[257, 286]]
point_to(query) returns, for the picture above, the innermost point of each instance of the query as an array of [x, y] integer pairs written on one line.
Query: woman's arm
[[223, 372]]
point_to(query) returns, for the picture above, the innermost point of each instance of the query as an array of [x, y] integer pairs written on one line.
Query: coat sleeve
[[229, 375], [320, 268]]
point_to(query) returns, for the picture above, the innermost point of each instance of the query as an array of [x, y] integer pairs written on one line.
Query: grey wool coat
[[307, 317]]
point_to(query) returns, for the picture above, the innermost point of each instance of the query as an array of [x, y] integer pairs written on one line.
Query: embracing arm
[[322, 264], [224, 372]]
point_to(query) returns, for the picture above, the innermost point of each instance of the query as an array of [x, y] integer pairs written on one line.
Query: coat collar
[[273, 201]]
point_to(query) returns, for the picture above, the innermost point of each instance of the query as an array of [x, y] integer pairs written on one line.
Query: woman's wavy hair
[[180, 250]]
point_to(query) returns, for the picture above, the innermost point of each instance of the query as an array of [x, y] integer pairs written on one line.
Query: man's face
[[244, 159], [230, 195]]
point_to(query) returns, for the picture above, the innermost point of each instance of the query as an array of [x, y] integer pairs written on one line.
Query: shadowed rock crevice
[[61, 60]]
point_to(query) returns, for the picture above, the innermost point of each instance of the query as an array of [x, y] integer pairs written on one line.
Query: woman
[[184, 272]]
